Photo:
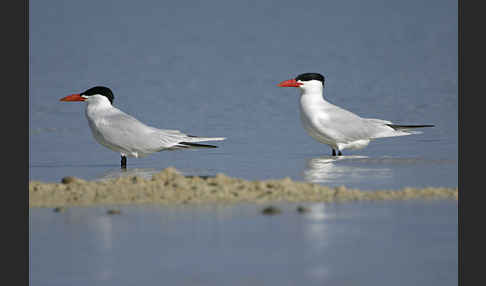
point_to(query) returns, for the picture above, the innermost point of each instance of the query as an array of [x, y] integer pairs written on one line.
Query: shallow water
[[212, 70], [362, 243]]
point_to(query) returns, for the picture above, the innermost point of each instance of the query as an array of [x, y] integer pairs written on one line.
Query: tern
[[337, 127], [123, 133]]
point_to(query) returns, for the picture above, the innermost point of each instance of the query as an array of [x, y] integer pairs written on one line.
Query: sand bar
[[170, 187]]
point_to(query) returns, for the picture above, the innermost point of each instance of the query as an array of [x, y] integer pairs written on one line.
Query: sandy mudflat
[[170, 187]]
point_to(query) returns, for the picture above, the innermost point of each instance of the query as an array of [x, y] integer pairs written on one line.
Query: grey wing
[[348, 127], [131, 134]]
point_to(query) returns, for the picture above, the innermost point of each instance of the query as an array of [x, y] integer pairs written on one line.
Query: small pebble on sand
[[271, 210], [302, 209], [113, 212], [68, 180]]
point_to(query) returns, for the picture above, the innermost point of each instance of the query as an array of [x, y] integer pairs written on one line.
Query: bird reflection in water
[[342, 169]]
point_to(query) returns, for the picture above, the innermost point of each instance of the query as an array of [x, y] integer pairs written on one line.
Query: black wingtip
[[195, 145], [396, 126]]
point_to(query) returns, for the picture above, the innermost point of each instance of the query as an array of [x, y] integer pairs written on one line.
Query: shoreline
[[169, 187]]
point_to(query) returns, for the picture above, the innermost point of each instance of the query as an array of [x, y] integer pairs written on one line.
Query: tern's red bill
[[73, 97], [290, 83]]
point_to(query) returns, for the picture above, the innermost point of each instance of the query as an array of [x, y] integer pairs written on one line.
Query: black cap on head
[[310, 76], [101, 90]]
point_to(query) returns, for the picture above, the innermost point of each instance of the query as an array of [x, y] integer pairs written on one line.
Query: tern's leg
[[333, 152], [123, 162], [339, 153]]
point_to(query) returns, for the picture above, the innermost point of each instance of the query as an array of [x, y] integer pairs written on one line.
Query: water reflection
[[327, 169], [145, 173], [104, 230], [317, 235], [316, 230], [95, 228]]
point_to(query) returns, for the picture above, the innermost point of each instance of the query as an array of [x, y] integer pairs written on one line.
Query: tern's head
[[97, 94], [306, 82]]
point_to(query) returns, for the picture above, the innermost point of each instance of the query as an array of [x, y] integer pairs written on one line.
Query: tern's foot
[[123, 162], [333, 152], [339, 153]]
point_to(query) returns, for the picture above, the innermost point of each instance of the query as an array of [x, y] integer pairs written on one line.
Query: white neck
[[311, 93], [97, 105]]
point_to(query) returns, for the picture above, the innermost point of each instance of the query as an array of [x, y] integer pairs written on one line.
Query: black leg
[[339, 153], [123, 162], [333, 152]]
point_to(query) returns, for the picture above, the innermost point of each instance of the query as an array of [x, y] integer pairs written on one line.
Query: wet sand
[[170, 187]]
